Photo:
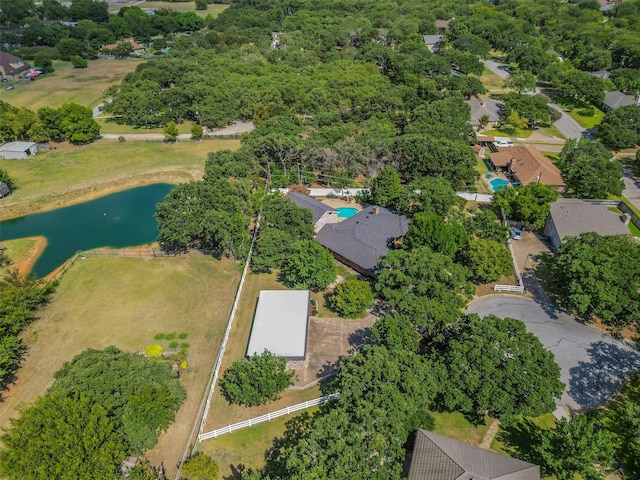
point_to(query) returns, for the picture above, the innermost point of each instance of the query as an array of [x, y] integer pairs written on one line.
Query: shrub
[[257, 380], [351, 298], [170, 336], [159, 336], [173, 345], [183, 335], [154, 350], [586, 112]]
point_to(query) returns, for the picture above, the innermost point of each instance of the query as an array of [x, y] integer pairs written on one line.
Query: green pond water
[[124, 219]]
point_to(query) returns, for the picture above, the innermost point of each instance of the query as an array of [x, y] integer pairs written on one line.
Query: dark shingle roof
[[573, 217], [12, 65], [436, 457], [305, 201], [365, 237]]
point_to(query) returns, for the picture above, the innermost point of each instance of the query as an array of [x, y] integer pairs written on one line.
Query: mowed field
[[84, 86], [125, 302], [73, 174]]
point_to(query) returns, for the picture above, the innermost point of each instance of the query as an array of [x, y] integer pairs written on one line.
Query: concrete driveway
[[631, 188], [592, 364], [497, 68]]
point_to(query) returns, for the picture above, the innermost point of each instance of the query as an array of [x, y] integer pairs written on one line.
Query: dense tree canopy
[[494, 365], [600, 276], [351, 298], [620, 128], [529, 204], [309, 265]]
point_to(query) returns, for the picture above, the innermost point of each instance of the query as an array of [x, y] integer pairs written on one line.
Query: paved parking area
[[592, 363]]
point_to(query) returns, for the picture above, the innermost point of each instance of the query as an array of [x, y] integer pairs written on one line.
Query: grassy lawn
[[454, 425], [68, 84], [107, 127], [212, 9], [22, 253], [72, 174], [125, 302], [512, 132], [481, 166], [587, 122], [492, 82]]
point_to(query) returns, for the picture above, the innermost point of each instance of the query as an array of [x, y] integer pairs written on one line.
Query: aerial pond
[[119, 220]]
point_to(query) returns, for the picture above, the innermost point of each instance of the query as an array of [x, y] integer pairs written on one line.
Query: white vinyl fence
[[268, 417]]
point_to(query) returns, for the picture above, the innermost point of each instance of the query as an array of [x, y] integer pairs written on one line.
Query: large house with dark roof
[[525, 165], [322, 214], [359, 241], [571, 217], [12, 67], [488, 108], [436, 457]]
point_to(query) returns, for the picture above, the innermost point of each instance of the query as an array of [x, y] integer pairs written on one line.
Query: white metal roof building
[[281, 324], [18, 150]]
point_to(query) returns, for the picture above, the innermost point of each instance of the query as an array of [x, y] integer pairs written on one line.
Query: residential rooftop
[[573, 217], [528, 165]]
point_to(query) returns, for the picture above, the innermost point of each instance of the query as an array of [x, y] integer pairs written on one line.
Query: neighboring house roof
[[606, 5], [528, 165], [365, 237], [436, 457], [280, 324], [617, 99], [573, 217], [432, 39], [442, 24], [318, 209], [485, 106], [12, 65], [17, 146], [604, 74]]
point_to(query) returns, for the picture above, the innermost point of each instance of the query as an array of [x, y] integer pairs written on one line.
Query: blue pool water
[[498, 183], [346, 212]]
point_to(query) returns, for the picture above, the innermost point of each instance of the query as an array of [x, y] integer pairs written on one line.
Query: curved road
[[592, 364]]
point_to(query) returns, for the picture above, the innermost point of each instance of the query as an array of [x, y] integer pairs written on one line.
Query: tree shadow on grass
[[519, 440], [593, 383]]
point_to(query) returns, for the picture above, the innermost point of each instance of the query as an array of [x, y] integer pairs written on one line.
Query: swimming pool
[[498, 183], [346, 212]]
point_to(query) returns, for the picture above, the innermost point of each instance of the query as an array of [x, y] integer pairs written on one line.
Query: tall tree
[[309, 265]]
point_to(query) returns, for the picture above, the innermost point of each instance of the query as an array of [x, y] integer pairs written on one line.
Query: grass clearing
[[509, 132], [107, 127], [492, 82], [454, 425], [588, 122], [212, 9], [73, 174], [23, 253], [125, 302], [84, 86]]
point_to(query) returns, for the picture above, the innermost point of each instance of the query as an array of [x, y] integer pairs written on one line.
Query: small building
[[432, 42], [442, 25], [525, 165], [616, 99], [18, 150], [436, 457], [281, 325], [571, 217], [12, 67], [485, 109], [603, 74], [4, 190], [322, 214], [359, 241], [606, 5]]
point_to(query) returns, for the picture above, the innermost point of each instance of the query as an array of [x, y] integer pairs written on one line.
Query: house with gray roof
[[485, 106], [432, 42], [436, 457], [616, 100], [322, 213], [281, 324], [571, 217], [359, 241]]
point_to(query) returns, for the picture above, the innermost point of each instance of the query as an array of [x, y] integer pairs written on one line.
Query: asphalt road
[[631, 188], [497, 68], [592, 364], [568, 126]]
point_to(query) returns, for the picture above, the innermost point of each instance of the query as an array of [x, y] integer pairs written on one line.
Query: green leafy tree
[[351, 298], [5, 178], [396, 332], [171, 132], [433, 195], [428, 286], [5, 260], [201, 4], [77, 123], [520, 81], [386, 190], [620, 128], [432, 231], [200, 467], [309, 265], [42, 62], [599, 275], [576, 446], [494, 365], [485, 224], [589, 171], [530, 204], [62, 437], [256, 380], [487, 259], [196, 131], [78, 62]]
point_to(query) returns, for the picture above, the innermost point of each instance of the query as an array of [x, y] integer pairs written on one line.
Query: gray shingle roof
[[431, 39], [365, 237], [573, 217], [617, 99], [436, 457], [486, 106], [305, 201]]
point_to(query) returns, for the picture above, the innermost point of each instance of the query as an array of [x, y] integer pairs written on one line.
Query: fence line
[[508, 288], [268, 417]]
